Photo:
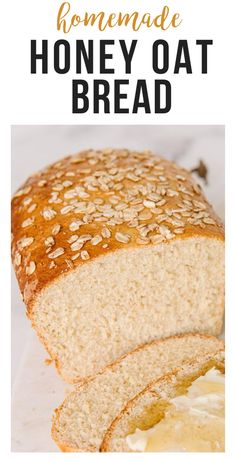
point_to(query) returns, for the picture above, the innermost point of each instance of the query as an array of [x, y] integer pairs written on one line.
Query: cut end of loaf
[[116, 302]]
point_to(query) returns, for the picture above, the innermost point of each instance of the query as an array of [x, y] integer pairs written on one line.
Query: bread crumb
[[48, 362]]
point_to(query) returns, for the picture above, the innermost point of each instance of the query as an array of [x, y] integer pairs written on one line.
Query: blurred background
[[37, 391]]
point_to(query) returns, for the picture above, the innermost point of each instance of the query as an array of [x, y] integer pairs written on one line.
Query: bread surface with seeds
[[112, 249], [81, 422]]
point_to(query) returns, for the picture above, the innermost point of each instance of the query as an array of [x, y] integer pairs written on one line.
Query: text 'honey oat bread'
[[113, 249], [181, 411], [81, 422]]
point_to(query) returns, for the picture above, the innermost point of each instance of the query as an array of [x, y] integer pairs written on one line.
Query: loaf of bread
[[113, 249], [154, 420], [81, 422]]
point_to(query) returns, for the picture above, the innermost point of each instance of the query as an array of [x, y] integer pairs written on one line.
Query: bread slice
[[81, 421], [113, 249], [148, 407]]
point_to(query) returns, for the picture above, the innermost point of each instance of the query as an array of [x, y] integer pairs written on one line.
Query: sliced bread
[[80, 423], [147, 409]]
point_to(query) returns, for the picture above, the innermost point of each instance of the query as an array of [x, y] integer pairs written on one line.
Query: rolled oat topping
[[98, 198]]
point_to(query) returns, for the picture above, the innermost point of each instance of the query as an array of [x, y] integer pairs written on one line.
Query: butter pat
[[192, 422]]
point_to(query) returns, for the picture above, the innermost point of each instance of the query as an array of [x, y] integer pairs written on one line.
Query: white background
[[199, 99], [47, 98]]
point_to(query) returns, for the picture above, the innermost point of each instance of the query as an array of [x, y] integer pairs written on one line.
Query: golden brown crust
[[86, 381], [96, 202], [219, 362]]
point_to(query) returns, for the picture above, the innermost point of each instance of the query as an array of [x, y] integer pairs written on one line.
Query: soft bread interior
[[108, 306], [149, 407], [82, 420]]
